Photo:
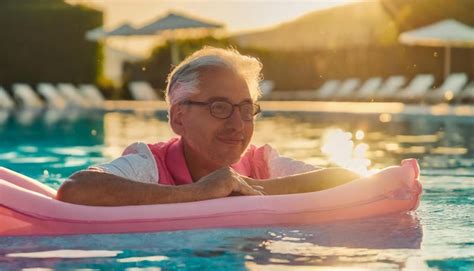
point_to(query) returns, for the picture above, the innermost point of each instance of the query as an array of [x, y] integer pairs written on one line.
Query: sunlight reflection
[[66, 253], [385, 117], [309, 256], [450, 150], [392, 146], [411, 150], [339, 147], [416, 138], [359, 135], [448, 95]]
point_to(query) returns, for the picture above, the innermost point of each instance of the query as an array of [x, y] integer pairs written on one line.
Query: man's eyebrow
[[217, 98], [247, 100]]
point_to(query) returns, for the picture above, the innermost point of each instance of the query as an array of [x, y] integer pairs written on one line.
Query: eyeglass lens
[[222, 109]]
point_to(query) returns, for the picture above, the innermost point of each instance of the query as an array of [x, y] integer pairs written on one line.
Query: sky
[[237, 15]]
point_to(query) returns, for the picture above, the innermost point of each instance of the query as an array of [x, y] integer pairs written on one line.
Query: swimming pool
[[51, 145]]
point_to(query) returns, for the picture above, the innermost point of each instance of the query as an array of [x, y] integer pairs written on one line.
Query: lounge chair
[[142, 91], [5, 101], [347, 89], [92, 94], [51, 95], [72, 95], [467, 94], [293, 95], [368, 89], [327, 90], [26, 96], [449, 90], [418, 87], [390, 87]]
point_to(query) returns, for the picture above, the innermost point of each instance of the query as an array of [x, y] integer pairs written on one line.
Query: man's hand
[[226, 182]]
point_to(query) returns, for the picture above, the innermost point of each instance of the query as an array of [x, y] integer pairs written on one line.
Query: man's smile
[[233, 140]]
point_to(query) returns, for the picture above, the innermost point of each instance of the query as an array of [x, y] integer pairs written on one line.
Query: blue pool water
[[50, 146]]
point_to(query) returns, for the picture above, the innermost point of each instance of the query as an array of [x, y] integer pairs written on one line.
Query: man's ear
[[176, 119]]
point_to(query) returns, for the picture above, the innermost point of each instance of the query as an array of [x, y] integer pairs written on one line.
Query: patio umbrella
[[123, 30], [100, 33], [447, 33], [174, 21]]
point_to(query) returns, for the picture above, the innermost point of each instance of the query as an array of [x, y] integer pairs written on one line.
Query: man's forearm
[[102, 189], [307, 182]]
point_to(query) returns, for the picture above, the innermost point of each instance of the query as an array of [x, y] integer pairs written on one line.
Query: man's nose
[[235, 119]]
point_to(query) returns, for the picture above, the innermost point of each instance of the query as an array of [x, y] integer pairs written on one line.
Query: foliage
[[409, 14], [44, 41]]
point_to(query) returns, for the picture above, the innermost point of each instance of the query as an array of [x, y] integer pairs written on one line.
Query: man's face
[[219, 142]]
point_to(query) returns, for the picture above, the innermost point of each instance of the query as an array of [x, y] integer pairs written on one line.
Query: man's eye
[[220, 106]]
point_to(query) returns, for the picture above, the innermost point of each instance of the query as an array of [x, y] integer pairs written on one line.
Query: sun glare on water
[[342, 151]]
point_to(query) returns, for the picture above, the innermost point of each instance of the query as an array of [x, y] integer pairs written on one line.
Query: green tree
[[44, 40]]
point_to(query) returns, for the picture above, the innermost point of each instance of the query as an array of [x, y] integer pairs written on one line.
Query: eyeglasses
[[225, 109]]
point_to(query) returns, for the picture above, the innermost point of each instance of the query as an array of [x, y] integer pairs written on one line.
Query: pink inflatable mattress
[[28, 207]]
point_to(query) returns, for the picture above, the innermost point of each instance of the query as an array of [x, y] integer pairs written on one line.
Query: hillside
[[359, 24]]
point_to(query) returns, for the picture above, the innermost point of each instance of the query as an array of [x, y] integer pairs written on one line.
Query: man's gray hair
[[183, 81]]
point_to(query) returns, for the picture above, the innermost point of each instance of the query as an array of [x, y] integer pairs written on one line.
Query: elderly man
[[212, 97]]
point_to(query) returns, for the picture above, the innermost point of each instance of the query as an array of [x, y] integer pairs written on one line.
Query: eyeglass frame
[[239, 105]]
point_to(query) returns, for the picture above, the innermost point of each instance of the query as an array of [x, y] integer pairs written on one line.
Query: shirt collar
[[176, 163]]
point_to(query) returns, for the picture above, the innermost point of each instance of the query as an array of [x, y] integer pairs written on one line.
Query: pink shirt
[[173, 170]]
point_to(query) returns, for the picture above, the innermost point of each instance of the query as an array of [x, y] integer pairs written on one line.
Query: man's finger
[[259, 188], [248, 190]]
